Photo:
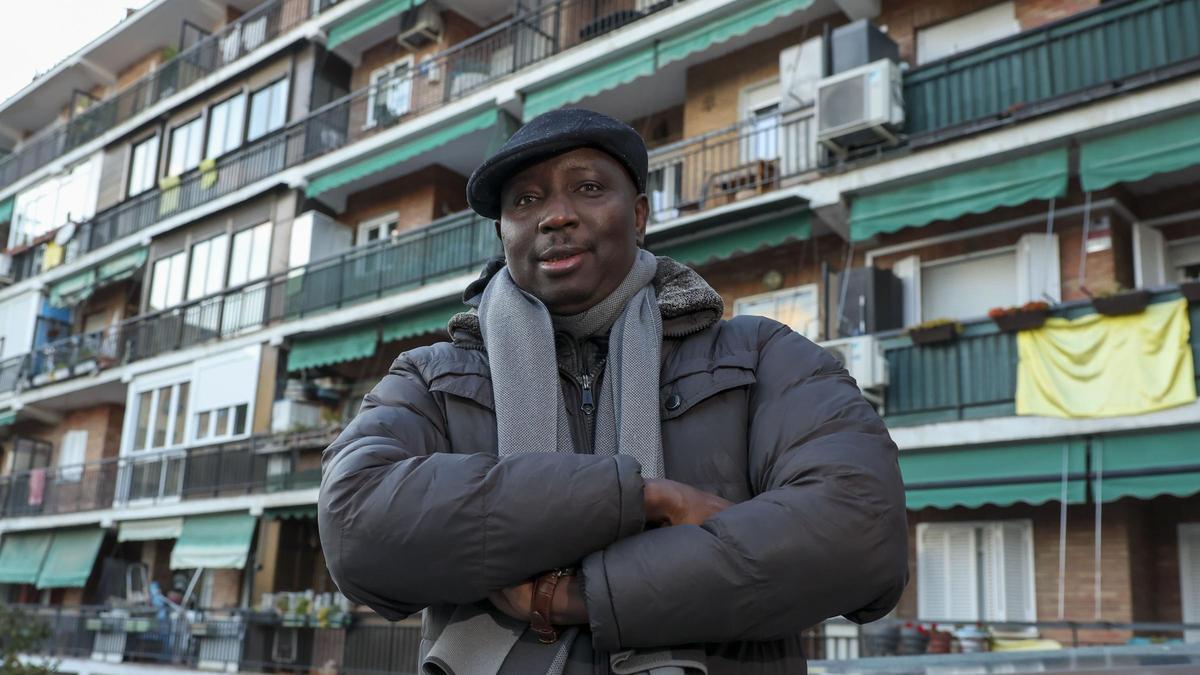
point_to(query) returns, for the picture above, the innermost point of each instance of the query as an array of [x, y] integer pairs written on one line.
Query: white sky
[[36, 34]]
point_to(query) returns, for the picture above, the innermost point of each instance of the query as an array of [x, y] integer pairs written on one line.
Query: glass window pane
[[222, 422], [239, 419], [142, 166], [175, 284], [261, 248], [185, 147], [225, 125], [158, 284], [199, 270], [161, 412], [202, 425], [268, 109], [181, 403], [143, 420], [239, 262]]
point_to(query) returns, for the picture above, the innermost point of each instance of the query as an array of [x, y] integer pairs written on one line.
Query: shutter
[[931, 572], [962, 583], [1038, 274], [1019, 597], [1149, 257], [1189, 576], [946, 577], [991, 549], [908, 270]]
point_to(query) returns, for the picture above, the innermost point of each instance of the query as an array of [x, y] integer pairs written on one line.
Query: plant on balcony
[[22, 635], [1117, 300], [934, 331], [1190, 289], [1024, 317]]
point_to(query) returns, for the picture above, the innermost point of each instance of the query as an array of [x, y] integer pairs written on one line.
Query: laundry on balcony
[[208, 173], [1102, 366], [37, 487], [52, 256], [168, 194]]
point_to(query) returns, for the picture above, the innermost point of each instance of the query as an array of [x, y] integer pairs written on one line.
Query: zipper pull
[[589, 404]]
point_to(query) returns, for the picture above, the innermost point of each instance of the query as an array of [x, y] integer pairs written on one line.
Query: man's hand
[[669, 502], [566, 609]]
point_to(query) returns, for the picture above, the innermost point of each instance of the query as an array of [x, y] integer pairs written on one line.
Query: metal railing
[[1106, 47], [260, 463], [533, 35], [252, 30], [748, 158]]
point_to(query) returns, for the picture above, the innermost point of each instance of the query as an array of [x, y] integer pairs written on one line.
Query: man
[[599, 474]]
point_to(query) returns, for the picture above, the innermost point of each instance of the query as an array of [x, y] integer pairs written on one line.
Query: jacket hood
[[685, 300]]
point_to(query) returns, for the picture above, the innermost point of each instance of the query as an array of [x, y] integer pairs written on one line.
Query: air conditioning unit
[[862, 106], [420, 26], [6, 271], [862, 356]]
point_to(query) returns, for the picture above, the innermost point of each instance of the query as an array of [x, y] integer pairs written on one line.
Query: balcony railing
[[452, 245], [530, 37], [971, 377], [1092, 52], [252, 30], [262, 463], [749, 158]]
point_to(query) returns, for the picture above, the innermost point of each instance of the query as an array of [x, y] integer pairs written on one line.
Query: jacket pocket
[[693, 382], [471, 386]]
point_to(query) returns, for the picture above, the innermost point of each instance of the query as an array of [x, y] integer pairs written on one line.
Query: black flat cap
[[549, 134]]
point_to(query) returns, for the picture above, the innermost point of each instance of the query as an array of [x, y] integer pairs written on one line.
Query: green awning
[[405, 151], [150, 530], [22, 554], [219, 541], [980, 190], [742, 240], [72, 555], [1139, 153], [420, 322], [740, 22], [122, 266], [356, 24], [7, 417], [6, 209], [1146, 465], [621, 70], [304, 512], [323, 350], [73, 290], [996, 474]]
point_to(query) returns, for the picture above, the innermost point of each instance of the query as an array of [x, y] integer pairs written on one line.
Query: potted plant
[[934, 331], [1024, 317], [1190, 289], [1119, 301]]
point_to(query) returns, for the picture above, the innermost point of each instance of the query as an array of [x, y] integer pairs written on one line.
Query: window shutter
[[932, 549], [71, 454], [946, 582], [1038, 273], [991, 545], [1189, 576], [962, 583]]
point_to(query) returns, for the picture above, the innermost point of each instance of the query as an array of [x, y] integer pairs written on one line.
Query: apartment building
[[240, 212]]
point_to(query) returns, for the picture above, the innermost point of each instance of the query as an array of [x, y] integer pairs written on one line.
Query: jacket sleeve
[[825, 534], [405, 523]]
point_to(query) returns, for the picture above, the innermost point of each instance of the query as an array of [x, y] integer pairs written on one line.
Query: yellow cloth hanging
[[1100, 366], [168, 194], [52, 256], [208, 173]]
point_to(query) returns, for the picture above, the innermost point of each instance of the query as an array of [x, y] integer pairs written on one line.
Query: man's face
[[571, 227]]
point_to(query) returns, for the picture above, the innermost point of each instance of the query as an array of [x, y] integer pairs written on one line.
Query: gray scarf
[[518, 335]]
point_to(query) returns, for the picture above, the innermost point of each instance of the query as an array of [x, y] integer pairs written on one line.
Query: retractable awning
[[421, 322], [78, 287], [726, 243], [149, 530], [322, 350], [71, 557], [6, 209], [1033, 473], [356, 24], [303, 512], [22, 555], [978, 190], [1146, 465], [73, 290], [220, 541], [1140, 153]]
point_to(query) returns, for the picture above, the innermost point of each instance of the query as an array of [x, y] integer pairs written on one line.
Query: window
[[377, 228], [976, 571], [268, 109], [251, 248], [390, 95], [225, 123], [760, 109], [186, 140], [966, 32], [161, 414], [207, 272], [143, 167], [665, 188], [968, 286], [166, 283], [793, 307], [71, 455], [221, 422]]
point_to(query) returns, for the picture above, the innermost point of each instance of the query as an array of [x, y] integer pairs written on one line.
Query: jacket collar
[[687, 303]]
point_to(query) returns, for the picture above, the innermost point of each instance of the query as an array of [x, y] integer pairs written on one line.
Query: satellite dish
[[64, 234]]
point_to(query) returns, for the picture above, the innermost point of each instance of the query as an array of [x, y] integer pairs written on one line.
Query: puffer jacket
[[417, 510]]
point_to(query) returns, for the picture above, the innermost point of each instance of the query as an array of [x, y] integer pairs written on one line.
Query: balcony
[[746, 159], [252, 30], [258, 464], [448, 76], [972, 377], [1112, 48], [453, 245]]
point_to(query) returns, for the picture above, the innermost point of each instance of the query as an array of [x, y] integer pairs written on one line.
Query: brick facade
[[417, 198]]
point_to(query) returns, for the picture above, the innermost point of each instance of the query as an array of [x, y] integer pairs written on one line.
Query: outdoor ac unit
[[420, 26], [862, 356], [6, 276], [860, 107]]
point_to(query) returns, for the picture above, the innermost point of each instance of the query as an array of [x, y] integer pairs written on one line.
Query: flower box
[[1013, 322], [1120, 304], [932, 335]]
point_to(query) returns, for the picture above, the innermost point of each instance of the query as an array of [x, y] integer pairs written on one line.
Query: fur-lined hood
[[687, 303]]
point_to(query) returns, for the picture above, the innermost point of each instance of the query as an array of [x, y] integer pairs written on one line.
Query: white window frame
[[231, 136], [161, 297], [144, 176], [271, 123], [980, 531], [72, 453], [187, 146], [812, 331], [256, 262], [752, 102], [206, 267], [388, 221], [664, 204], [394, 86]]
